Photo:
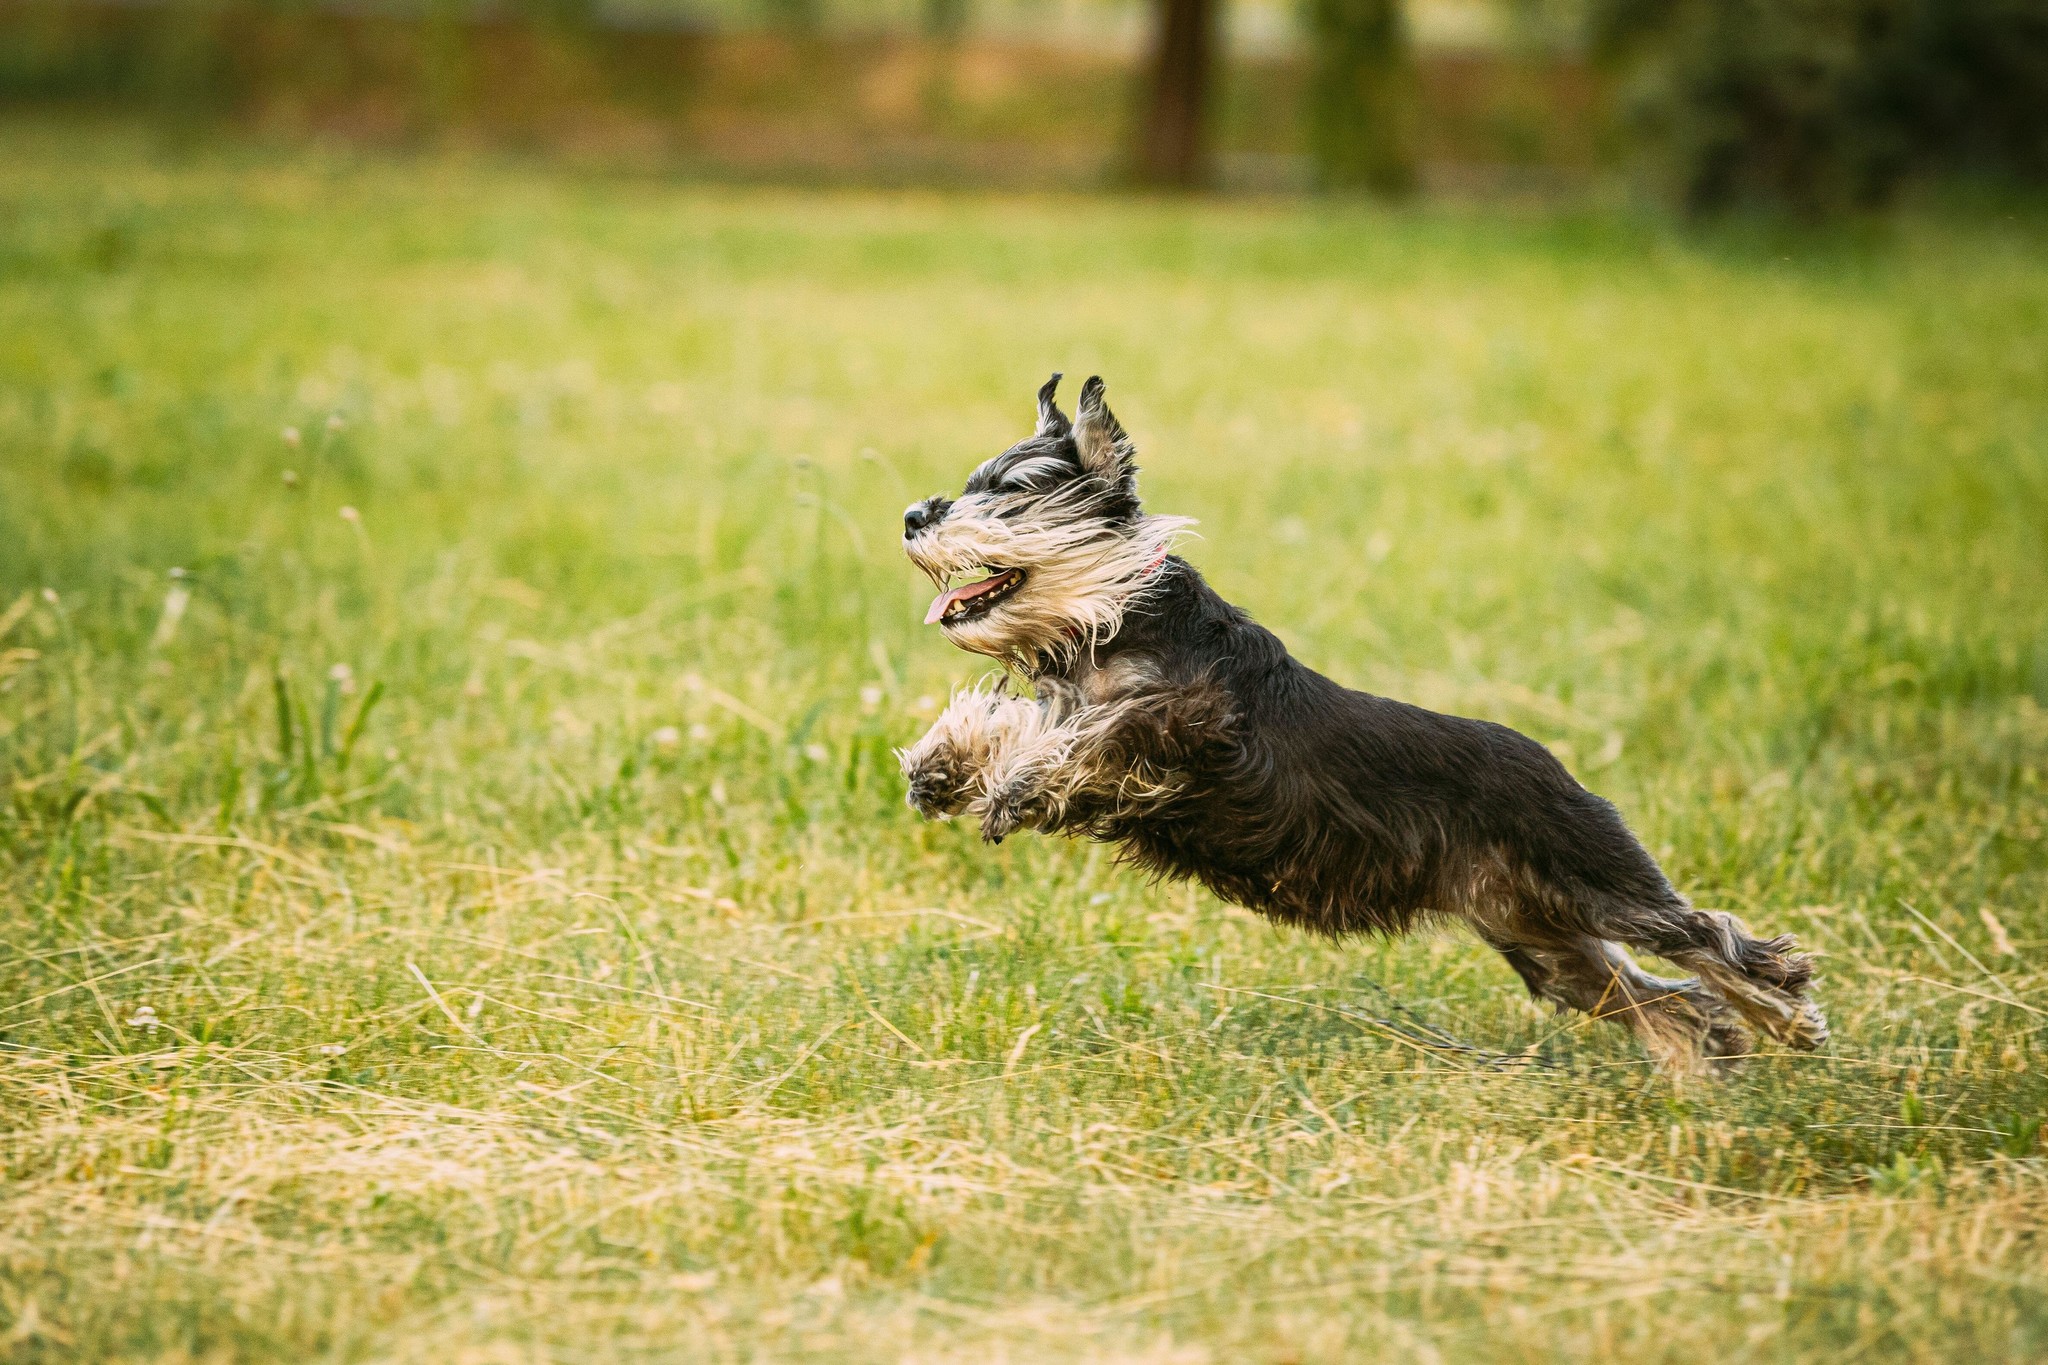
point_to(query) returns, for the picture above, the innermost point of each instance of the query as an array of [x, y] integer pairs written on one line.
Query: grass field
[[456, 902]]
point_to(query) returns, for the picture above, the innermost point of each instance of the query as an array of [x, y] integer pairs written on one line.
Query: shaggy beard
[[1082, 574]]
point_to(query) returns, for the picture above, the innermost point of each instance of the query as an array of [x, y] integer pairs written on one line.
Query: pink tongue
[[959, 594]]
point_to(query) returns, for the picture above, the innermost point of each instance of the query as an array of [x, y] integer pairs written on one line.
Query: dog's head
[[1049, 536]]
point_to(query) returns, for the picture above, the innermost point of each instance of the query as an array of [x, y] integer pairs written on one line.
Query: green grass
[[489, 929]]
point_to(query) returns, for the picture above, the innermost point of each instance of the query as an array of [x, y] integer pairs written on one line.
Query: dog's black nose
[[916, 517]]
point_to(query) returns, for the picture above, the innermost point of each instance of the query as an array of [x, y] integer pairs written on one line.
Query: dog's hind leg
[[1765, 980], [1582, 871], [1678, 1021], [1528, 966]]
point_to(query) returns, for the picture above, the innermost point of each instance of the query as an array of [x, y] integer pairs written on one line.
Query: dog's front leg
[[1091, 766], [1020, 795], [1044, 778], [949, 767]]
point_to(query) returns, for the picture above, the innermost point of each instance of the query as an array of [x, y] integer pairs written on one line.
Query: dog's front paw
[[939, 787], [1013, 806]]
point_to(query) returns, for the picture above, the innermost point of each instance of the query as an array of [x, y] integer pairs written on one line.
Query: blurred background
[[1812, 106]]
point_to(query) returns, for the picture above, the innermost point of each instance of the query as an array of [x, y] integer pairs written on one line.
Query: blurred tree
[[1534, 27], [945, 20], [798, 18], [1361, 95], [568, 15], [446, 63], [1822, 104], [1173, 144]]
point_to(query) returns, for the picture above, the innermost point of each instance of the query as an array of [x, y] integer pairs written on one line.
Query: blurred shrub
[[1818, 105], [952, 94], [1361, 95]]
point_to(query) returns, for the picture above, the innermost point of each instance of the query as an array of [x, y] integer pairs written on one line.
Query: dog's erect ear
[[1051, 421], [1106, 451]]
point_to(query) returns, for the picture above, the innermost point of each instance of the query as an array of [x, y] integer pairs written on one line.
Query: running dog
[[1165, 721]]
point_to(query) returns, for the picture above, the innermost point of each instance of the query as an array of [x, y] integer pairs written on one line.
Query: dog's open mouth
[[970, 600]]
